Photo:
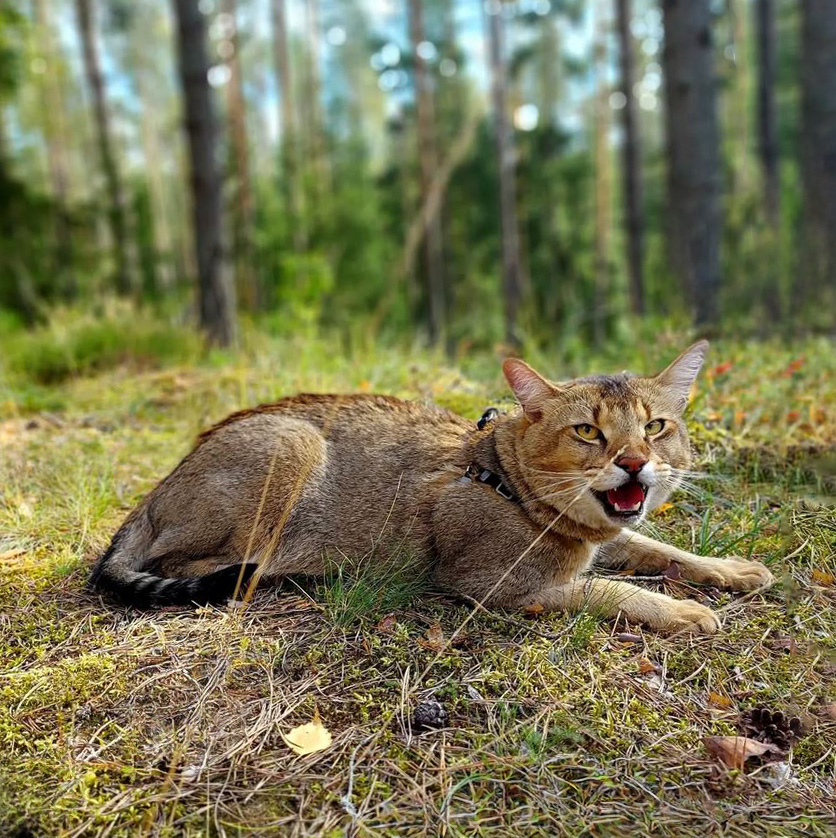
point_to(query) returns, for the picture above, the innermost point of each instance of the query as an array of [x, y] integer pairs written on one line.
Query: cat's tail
[[122, 575]]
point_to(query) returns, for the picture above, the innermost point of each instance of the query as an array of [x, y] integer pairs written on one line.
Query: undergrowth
[[118, 723]]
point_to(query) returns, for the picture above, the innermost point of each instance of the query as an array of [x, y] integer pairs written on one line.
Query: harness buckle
[[503, 491]]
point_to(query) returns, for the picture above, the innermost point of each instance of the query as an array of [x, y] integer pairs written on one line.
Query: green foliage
[[372, 587], [117, 722], [79, 346], [12, 31]]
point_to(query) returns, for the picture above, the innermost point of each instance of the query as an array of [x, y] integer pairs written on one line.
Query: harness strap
[[492, 479]]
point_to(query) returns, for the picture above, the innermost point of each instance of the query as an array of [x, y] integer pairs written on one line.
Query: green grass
[[169, 724]]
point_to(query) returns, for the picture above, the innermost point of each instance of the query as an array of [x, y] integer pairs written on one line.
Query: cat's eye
[[654, 427], [588, 432]]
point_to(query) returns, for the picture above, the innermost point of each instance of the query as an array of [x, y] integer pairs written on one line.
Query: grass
[[169, 724]]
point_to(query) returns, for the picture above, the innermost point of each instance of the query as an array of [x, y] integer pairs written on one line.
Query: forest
[[464, 174], [207, 205]]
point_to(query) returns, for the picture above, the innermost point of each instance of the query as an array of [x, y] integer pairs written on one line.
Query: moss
[[119, 722]]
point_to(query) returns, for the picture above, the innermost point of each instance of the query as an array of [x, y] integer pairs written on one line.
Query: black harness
[[485, 475]]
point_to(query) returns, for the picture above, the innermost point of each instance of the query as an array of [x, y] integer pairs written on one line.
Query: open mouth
[[626, 501]]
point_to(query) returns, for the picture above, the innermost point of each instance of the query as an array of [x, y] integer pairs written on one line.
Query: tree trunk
[[736, 124], [767, 116], [693, 154], [160, 215], [287, 122], [115, 192], [237, 117], [506, 162], [433, 239], [54, 133], [215, 293], [631, 165], [603, 178], [313, 105], [818, 146]]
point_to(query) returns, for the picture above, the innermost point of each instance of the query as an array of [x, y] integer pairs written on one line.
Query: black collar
[[492, 479]]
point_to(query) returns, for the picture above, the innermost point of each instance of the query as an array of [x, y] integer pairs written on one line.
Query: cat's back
[[354, 424]]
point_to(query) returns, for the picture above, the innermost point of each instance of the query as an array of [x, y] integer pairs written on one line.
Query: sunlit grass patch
[[153, 724]]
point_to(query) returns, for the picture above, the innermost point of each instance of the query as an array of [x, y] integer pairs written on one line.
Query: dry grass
[[168, 724]]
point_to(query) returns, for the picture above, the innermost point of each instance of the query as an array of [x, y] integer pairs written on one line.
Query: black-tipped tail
[[145, 590]]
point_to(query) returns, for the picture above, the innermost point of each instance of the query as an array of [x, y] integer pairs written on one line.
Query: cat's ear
[[679, 376], [530, 388]]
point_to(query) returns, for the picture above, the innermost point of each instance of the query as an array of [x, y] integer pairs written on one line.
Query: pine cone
[[771, 726]]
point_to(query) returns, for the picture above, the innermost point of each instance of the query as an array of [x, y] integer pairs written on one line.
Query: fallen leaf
[[822, 578], [721, 368], [11, 554], [664, 507], [785, 643], [673, 572], [628, 637], [534, 609], [308, 738], [722, 702], [434, 640], [793, 416], [793, 367], [387, 624], [646, 667], [734, 751], [818, 416]]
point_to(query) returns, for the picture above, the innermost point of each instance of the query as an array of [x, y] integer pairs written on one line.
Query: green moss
[[120, 722]]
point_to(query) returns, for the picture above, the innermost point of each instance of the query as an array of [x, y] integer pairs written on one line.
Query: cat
[[513, 515]]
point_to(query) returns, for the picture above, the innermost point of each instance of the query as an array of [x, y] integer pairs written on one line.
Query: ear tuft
[[679, 376], [530, 388]]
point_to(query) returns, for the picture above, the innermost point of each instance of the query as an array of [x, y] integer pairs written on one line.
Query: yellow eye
[[654, 427], [587, 432]]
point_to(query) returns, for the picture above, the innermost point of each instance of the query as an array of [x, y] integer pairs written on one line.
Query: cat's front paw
[[735, 574], [688, 617]]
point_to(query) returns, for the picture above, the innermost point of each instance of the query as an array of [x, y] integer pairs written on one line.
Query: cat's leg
[[610, 598], [633, 551]]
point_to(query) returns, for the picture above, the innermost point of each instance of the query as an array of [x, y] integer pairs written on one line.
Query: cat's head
[[606, 449]]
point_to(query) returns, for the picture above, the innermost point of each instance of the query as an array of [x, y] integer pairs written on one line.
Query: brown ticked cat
[[513, 515]]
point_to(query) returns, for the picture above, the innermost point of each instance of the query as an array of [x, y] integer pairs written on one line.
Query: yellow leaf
[[720, 701], [664, 507], [308, 738], [11, 554], [822, 578]]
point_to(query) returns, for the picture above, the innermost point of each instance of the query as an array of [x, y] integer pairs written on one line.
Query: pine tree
[[215, 294]]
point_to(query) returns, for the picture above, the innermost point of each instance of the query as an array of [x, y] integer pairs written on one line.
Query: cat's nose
[[631, 464]]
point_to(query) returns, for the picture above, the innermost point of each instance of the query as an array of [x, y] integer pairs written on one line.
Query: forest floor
[[119, 723]]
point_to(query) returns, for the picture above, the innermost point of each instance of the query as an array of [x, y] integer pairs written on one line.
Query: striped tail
[[114, 577]]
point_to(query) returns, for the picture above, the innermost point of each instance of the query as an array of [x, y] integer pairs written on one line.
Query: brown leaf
[[434, 640], [628, 637], [785, 643], [534, 609], [673, 572], [646, 667], [734, 751], [822, 578], [11, 554], [387, 624], [722, 702]]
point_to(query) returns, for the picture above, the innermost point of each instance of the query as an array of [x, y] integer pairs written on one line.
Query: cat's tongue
[[627, 498]]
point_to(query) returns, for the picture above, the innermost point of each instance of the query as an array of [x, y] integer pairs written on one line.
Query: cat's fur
[[285, 486]]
